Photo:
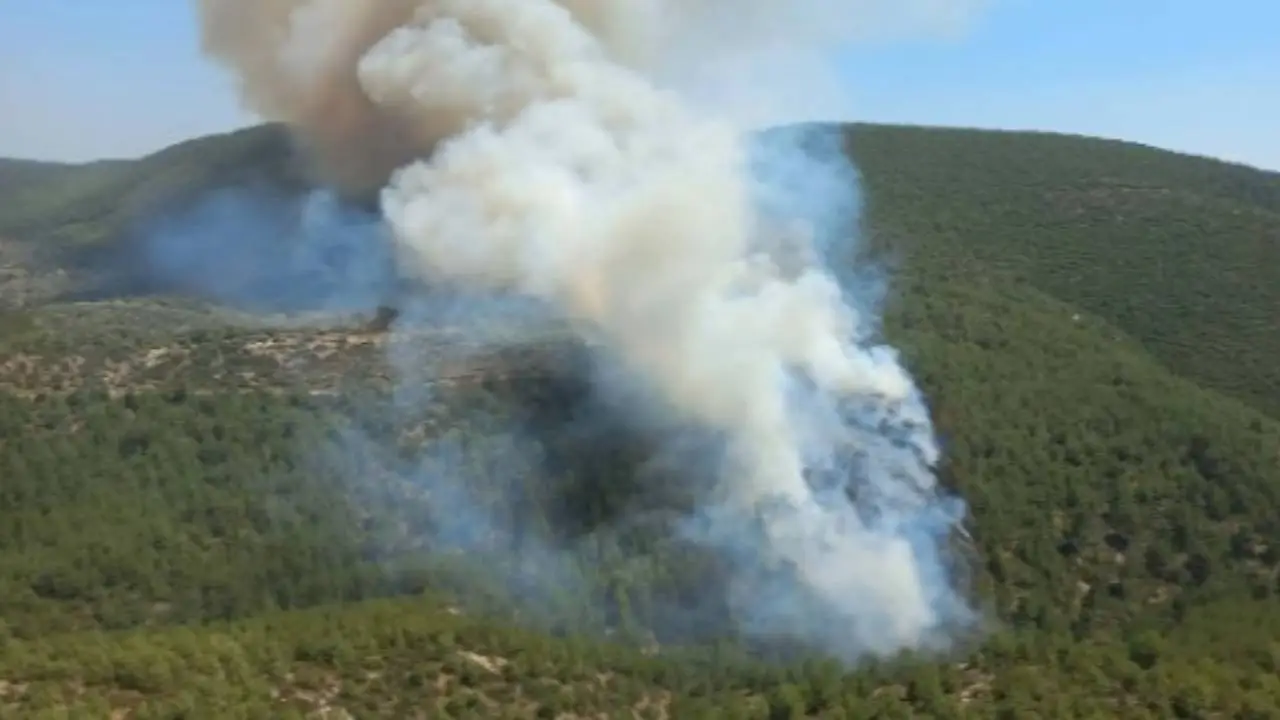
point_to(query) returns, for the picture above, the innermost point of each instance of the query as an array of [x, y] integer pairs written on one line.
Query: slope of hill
[[1179, 252], [17, 173], [1125, 493], [61, 225], [1176, 251], [94, 203]]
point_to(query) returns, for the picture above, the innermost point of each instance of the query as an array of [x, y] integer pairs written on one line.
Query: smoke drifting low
[[548, 150], [269, 253]]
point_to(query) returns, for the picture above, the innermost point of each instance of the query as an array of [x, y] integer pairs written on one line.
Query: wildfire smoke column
[[535, 155]]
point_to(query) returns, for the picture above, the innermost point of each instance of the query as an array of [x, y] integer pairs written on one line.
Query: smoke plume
[[566, 151], [297, 61]]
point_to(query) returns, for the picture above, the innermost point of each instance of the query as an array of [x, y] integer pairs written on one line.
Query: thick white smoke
[[751, 61], [546, 148]]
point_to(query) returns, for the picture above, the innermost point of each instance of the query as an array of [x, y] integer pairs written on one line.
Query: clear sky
[[83, 79]]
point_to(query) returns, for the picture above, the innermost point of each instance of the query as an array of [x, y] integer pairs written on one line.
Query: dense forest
[[207, 514]]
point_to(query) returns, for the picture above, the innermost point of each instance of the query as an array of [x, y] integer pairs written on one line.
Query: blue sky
[[79, 78]]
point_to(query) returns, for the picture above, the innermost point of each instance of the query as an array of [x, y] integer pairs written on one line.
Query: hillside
[[1178, 252], [1173, 250], [1092, 321]]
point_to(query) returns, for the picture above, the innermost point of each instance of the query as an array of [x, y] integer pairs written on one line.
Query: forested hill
[[1179, 252], [1094, 322]]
